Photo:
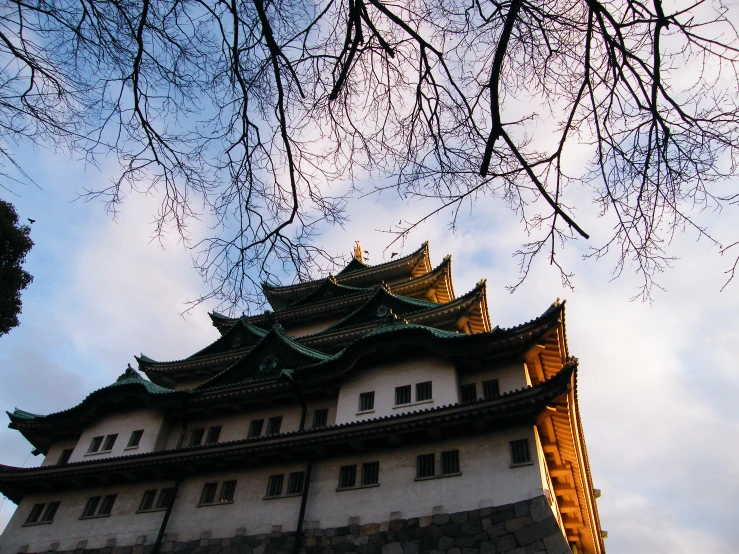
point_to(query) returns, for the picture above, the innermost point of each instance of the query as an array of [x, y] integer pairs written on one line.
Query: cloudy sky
[[658, 383]]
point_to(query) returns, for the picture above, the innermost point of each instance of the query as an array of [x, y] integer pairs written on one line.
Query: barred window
[[147, 501], [347, 476], [274, 424], [91, 506], [64, 458], [468, 392], [296, 482], [165, 498], [35, 513], [50, 512], [425, 465], [402, 395], [520, 452], [370, 473], [107, 505], [320, 418], [135, 439], [214, 433], [450, 462], [110, 441], [227, 491], [196, 437], [423, 391], [95, 444], [208, 495], [255, 428], [367, 401], [274, 485], [490, 389]]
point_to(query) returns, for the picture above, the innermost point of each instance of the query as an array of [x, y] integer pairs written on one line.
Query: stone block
[[445, 543], [410, 547], [506, 544], [413, 522], [536, 547], [397, 525], [310, 541], [338, 539], [470, 528], [355, 528], [539, 509], [361, 540], [425, 521], [459, 517], [436, 531], [441, 519], [392, 548], [535, 532], [428, 544], [451, 529], [327, 550], [473, 515], [329, 532], [323, 541], [464, 541], [384, 526], [470, 551], [486, 547], [521, 508], [556, 543], [342, 531], [517, 523], [454, 550], [486, 512], [503, 514], [370, 529]]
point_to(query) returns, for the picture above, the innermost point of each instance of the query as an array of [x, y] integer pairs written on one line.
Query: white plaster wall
[[310, 329], [384, 378], [510, 377], [123, 423], [55, 451]]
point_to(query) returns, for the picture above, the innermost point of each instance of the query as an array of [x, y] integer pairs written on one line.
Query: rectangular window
[[295, 482], [367, 401], [490, 389], [468, 392], [196, 437], [255, 428], [109, 442], [273, 425], [214, 433], [425, 465], [35, 513], [147, 501], [50, 512], [320, 418], [135, 439], [228, 488], [402, 395], [165, 498], [208, 495], [450, 462], [274, 485], [520, 452], [91, 506], [95, 444], [107, 505], [347, 476], [64, 458], [423, 391], [370, 473]]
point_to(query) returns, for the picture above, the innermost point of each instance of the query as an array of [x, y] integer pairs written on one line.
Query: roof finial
[[358, 251]]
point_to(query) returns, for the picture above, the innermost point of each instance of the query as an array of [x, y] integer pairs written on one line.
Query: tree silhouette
[[15, 243]]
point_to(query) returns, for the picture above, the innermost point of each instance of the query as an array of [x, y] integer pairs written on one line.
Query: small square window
[[370, 473], [425, 466], [520, 452], [147, 501], [450, 462], [95, 444], [347, 476], [35, 513], [468, 392], [367, 401], [423, 391], [135, 439], [165, 498], [208, 495], [228, 488], [109, 442], [295, 482], [196, 437], [273, 425], [274, 485], [490, 389], [50, 512], [320, 418], [402, 395], [214, 433], [107, 505], [255, 428], [91, 506], [64, 458]]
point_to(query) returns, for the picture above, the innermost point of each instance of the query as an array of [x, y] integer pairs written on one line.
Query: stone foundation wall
[[526, 527]]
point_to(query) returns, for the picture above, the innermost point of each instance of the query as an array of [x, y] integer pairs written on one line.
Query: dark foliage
[[15, 242]]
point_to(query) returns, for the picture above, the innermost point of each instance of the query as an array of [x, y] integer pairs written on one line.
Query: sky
[[657, 382]]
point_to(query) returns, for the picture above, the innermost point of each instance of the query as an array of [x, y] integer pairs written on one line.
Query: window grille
[[227, 491], [520, 452], [147, 501], [64, 458], [214, 433], [490, 389], [107, 505], [274, 485], [35, 513], [208, 495], [296, 482], [425, 465], [95, 444], [423, 391], [347, 476], [135, 439], [110, 441], [91, 506], [273, 425], [320, 418], [196, 437], [50, 512], [370, 473], [468, 392], [165, 498], [255, 428], [402, 395], [450, 461], [367, 401]]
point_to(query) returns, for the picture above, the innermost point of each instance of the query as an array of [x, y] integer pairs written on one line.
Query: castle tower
[[374, 412]]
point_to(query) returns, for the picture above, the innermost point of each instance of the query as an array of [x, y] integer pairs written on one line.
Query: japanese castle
[[371, 412]]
